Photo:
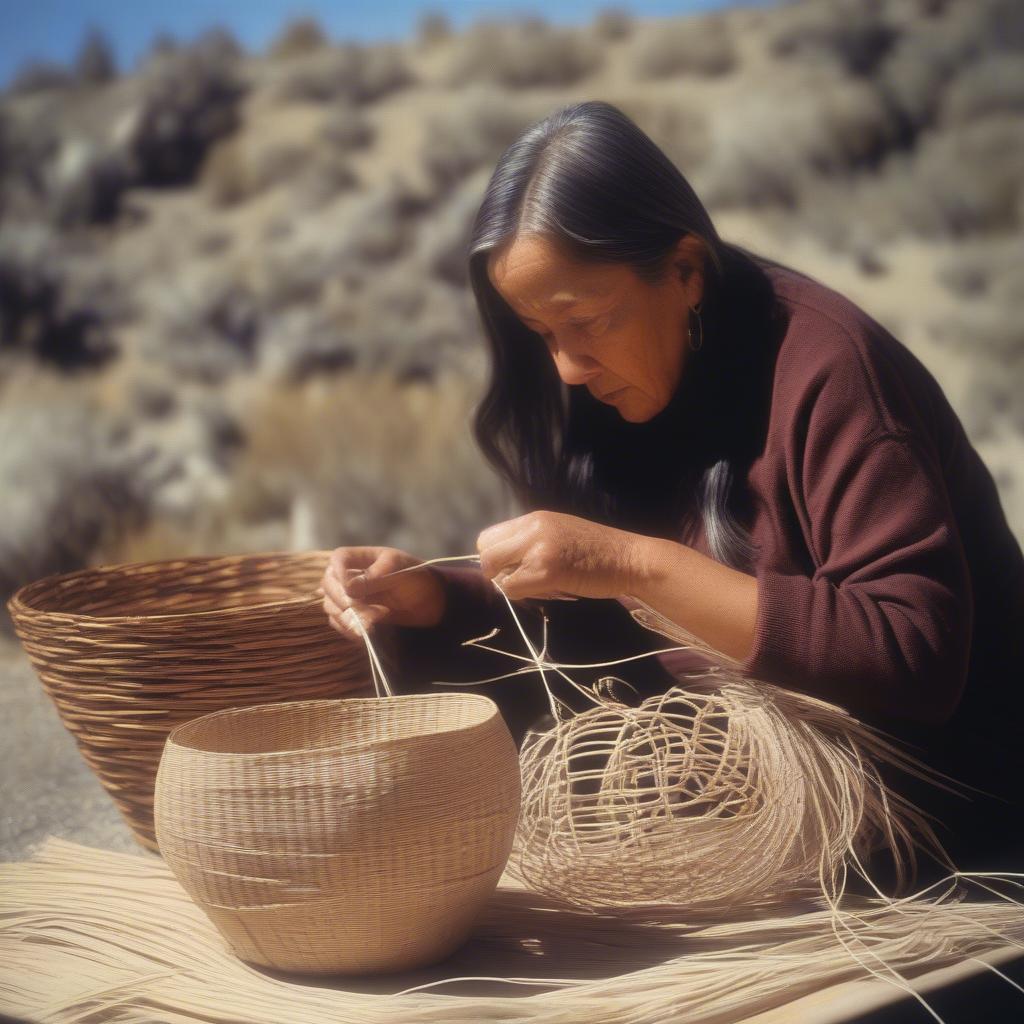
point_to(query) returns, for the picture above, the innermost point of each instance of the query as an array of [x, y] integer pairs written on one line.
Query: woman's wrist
[[644, 566], [713, 601]]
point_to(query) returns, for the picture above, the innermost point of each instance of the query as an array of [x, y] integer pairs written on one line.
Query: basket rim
[[17, 604], [344, 747]]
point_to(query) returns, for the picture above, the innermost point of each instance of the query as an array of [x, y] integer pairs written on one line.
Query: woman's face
[[606, 329]]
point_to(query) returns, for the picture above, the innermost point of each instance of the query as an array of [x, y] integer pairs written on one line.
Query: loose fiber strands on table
[[721, 798], [89, 935], [126, 652], [723, 792]]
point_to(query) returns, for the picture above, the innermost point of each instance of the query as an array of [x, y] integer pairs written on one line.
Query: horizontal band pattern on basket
[[127, 652], [359, 836]]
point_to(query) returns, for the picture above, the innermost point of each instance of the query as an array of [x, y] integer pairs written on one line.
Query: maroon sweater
[[888, 579]]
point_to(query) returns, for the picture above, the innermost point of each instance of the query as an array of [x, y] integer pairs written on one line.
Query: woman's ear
[[690, 257]]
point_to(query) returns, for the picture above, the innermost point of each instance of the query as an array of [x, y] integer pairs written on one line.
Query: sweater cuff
[[779, 653], [768, 623]]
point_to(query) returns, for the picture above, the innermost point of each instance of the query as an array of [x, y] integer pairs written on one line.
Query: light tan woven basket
[[127, 652], [358, 836]]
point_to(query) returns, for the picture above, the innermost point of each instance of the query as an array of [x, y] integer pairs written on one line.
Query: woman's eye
[[589, 327], [595, 325]]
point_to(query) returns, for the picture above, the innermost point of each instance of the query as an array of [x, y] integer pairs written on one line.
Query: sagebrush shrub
[[684, 46], [522, 54]]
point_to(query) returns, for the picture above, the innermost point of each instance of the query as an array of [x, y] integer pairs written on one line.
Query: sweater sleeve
[[883, 623]]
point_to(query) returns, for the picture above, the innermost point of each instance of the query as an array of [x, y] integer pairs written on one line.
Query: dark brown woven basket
[[127, 652]]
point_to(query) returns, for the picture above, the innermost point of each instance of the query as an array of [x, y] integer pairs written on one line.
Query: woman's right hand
[[356, 581]]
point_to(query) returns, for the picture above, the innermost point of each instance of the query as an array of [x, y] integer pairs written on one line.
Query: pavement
[[46, 788]]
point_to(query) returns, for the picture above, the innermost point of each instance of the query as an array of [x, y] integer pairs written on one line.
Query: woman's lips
[[612, 394]]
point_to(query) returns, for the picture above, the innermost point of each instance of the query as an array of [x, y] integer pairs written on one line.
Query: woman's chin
[[637, 411]]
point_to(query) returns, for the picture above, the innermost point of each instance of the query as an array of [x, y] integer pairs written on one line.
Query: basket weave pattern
[[358, 836], [128, 652]]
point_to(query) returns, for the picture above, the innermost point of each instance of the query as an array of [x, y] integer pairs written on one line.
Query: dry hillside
[[233, 305]]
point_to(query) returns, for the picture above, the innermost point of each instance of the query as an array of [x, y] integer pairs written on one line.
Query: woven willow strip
[[127, 652], [91, 935], [361, 835]]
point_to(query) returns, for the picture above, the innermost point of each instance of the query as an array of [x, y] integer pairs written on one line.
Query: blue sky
[[53, 29]]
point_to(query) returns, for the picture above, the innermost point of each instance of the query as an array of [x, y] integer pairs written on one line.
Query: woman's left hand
[[550, 554]]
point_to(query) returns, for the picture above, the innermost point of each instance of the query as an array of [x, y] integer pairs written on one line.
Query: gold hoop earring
[[695, 346]]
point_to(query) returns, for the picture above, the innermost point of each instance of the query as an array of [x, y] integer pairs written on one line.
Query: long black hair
[[588, 178]]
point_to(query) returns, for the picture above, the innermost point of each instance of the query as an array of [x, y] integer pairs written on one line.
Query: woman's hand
[[550, 554], [353, 584]]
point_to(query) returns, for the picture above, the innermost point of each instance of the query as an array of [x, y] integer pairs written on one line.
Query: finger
[[364, 615], [375, 579], [331, 607], [335, 572], [521, 583], [371, 614], [339, 624], [368, 613], [499, 532], [336, 592], [503, 555], [360, 557]]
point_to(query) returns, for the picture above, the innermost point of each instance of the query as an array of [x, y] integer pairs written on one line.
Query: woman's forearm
[[711, 600]]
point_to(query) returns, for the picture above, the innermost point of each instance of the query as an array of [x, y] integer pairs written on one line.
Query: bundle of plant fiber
[[89, 935]]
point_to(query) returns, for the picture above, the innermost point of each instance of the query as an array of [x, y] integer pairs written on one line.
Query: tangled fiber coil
[[713, 795]]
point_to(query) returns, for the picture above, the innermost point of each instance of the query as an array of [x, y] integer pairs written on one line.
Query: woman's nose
[[575, 368]]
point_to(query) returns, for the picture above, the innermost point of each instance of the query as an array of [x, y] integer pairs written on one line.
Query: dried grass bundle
[[90, 935]]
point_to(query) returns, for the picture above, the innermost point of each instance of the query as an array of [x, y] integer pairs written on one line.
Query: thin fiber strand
[[92, 935]]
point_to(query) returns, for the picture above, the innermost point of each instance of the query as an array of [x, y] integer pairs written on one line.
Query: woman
[[736, 445]]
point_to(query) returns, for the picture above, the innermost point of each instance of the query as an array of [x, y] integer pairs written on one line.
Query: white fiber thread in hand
[[380, 680]]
